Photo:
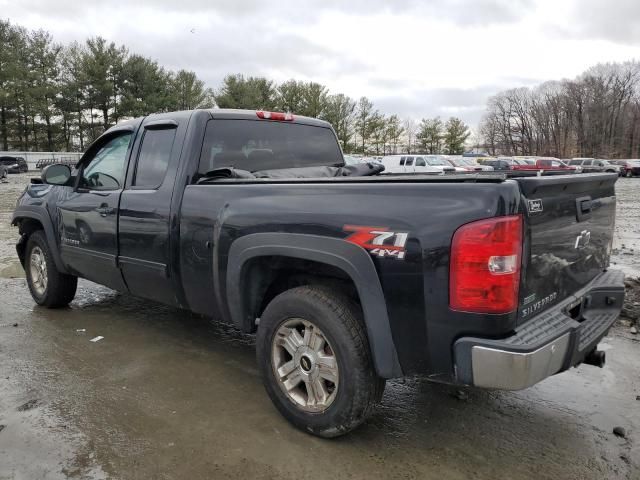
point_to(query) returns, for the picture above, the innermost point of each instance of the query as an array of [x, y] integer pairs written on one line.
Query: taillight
[[274, 116], [484, 273]]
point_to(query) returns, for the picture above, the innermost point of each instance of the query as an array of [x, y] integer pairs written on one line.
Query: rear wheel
[[315, 361], [47, 285]]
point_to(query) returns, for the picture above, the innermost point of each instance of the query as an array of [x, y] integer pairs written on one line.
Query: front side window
[[107, 168], [587, 162], [153, 160], [420, 162]]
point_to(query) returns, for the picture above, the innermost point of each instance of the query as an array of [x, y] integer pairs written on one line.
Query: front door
[[89, 216]]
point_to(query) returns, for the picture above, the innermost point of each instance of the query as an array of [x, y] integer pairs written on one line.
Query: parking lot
[[167, 394]]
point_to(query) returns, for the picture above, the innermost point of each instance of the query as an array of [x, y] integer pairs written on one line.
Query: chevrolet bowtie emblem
[[583, 239]]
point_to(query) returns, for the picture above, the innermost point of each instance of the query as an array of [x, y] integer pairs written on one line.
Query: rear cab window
[[257, 145]]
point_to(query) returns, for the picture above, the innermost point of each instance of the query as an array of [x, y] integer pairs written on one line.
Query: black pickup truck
[[347, 277]]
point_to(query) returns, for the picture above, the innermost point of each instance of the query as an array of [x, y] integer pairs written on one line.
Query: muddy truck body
[[348, 278]]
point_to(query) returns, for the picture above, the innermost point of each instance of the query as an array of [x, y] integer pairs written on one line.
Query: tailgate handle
[[584, 206]]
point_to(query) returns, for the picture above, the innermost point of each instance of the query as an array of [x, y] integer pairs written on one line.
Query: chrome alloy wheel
[[38, 270], [305, 365]]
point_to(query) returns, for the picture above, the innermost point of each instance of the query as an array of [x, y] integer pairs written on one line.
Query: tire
[[333, 321], [58, 289]]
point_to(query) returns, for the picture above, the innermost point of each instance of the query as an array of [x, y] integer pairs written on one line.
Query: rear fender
[[353, 260]]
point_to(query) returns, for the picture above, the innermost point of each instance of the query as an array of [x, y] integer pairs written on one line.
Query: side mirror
[[56, 174]]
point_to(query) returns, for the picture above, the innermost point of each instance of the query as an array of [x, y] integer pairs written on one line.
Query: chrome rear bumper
[[547, 344]]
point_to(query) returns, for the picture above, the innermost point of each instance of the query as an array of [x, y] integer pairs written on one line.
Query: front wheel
[[315, 361], [48, 286]]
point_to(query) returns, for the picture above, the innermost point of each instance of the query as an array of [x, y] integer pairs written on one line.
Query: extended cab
[[348, 277]]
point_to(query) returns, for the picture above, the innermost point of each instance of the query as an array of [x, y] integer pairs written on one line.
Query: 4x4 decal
[[380, 241]]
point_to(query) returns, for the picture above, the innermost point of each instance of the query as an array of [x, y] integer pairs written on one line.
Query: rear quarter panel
[[415, 288]]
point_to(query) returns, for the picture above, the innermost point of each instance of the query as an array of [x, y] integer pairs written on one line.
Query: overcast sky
[[416, 58]]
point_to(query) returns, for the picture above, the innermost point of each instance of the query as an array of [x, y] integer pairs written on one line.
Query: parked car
[[348, 278], [503, 163], [590, 165], [628, 168], [469, 163], [547, 164], [449, 159], [413, 164], [14, 164], [440, 162]]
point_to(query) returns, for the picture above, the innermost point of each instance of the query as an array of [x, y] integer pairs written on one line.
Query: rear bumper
[[549, 343]]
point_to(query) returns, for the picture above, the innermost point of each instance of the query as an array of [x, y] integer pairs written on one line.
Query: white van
[[413, 164]]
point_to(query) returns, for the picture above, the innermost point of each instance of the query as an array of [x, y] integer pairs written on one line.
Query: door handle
[[105, 210]]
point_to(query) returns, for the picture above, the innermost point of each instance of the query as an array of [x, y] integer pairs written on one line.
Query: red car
[[546, 164], [628, 168]]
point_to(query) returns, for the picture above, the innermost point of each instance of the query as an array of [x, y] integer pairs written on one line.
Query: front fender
[[36, 213], [353, 260]]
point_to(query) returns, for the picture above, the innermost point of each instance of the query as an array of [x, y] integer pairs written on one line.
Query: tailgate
[[569, 223]]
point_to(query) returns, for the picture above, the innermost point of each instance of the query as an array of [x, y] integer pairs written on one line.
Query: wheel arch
[[351, 260], [30, 220]]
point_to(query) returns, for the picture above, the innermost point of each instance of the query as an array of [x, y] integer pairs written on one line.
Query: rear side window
[[409, 161], [575, 162], [587, 162], [153, 159], [402, 161], [254, 145]]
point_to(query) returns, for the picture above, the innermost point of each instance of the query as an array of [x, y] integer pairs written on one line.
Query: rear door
[[145, 208], [568, 237]]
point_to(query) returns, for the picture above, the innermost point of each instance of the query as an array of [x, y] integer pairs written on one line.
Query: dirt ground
[[168, 395]]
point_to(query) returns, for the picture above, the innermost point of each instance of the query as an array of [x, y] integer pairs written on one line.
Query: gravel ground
[[167, 394]]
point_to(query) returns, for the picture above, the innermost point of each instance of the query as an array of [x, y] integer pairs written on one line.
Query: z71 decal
[[378, 240]]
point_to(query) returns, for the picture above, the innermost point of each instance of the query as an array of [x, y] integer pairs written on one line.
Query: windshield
[[254, 145], [438, 161]]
